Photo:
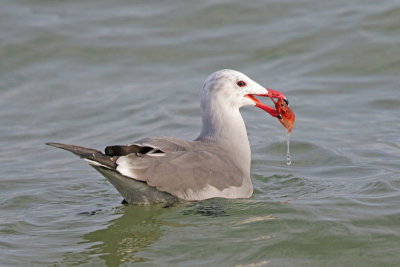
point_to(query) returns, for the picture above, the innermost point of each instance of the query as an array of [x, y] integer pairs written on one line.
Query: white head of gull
[[215, 164]]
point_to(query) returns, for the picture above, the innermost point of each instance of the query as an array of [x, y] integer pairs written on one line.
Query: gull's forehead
[[224, 77]]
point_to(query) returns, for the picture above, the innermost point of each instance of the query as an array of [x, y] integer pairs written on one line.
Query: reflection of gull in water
[[136, 229], [216, 164]]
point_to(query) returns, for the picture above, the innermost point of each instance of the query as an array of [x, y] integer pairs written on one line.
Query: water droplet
[[288, 161]]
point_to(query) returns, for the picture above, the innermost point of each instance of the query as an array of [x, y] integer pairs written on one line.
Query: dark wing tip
[[87, 153], [79, 150], [126, 150], [55, 144]]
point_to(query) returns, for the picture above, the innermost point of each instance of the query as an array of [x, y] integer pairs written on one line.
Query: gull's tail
[[133, 191], [92, 156]]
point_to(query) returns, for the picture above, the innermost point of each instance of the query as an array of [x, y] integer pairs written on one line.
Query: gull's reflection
[[139, 227], [216, 207], [136, 229]]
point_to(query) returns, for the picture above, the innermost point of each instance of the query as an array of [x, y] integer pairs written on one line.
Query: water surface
[[111, 72]]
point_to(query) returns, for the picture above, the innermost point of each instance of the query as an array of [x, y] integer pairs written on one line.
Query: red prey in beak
[[271, 94]]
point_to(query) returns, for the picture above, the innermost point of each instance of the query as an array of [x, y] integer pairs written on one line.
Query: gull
[[214, 165]]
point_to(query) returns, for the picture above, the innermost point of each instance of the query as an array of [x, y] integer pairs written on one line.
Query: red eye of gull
[[241, 83]]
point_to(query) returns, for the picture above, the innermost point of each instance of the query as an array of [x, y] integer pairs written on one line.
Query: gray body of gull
[[216, 164]]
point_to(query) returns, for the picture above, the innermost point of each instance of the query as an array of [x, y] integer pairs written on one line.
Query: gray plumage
[[165, 169]]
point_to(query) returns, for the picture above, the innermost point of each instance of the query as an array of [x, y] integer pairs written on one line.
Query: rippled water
[[95, 73]]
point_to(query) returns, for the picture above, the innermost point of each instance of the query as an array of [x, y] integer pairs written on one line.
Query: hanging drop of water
[[288, 162]]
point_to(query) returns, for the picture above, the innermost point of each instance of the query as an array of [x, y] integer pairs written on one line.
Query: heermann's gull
[[215, 164]]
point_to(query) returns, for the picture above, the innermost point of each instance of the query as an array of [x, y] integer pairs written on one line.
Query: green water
[[96, 73]]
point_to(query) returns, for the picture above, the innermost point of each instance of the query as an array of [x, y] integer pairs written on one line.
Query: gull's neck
[[225, 125]]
